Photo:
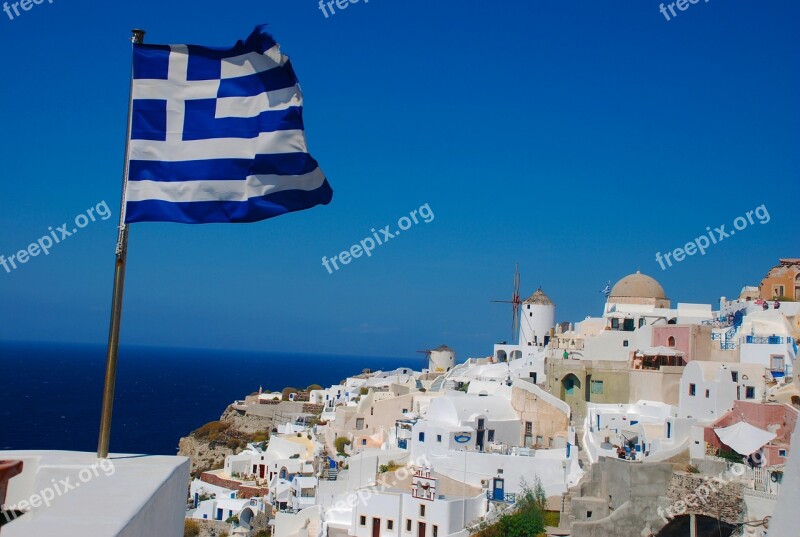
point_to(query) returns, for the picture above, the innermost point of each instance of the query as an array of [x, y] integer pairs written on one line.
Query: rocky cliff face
[[208, 446], [203, 455]]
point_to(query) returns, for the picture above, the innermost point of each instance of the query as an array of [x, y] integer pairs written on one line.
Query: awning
[[659, 351], [743, 437]]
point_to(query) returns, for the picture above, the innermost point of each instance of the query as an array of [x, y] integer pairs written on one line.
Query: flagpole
[[119, 285]]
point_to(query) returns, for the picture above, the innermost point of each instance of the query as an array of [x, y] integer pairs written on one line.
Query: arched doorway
[[570, 387], [706, 527]]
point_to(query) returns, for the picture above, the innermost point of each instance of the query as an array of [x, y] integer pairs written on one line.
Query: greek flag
[[607, 289], [217, 135]]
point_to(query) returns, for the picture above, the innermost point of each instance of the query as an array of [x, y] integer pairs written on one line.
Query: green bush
[[211, 430], [340, 443], [191, 528], [261, 436], [313, 387], [288, 390], [526, 520]]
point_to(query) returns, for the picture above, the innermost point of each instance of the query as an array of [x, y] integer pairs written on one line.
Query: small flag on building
[[607, 289], [217, 135]]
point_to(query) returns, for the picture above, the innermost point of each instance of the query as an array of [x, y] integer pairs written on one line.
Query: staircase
[[333, 473]]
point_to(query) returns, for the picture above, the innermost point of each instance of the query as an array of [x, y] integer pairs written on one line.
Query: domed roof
[[538, 298], [638, 286]]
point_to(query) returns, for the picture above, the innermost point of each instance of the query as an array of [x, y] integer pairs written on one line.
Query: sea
[[51, 394]]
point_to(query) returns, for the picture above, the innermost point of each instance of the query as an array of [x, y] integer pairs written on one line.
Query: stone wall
[[707, 495]]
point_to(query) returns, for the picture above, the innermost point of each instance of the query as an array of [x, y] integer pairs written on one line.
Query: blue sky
[[574, 138]]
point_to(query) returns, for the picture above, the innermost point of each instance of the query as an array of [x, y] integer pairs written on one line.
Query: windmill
[[427, 353], [515, 302]]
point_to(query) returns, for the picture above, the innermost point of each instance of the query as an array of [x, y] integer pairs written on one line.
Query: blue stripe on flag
[[202, 125], [208, 212], [247, 86], [203, 67], [222, 169]]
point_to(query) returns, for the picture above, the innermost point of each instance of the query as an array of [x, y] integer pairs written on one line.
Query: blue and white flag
[[217, 135], [607, 289]]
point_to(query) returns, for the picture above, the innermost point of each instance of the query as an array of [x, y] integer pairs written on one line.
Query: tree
[[340, 444]]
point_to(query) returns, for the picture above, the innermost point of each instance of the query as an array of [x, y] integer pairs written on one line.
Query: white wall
[[545, 463]]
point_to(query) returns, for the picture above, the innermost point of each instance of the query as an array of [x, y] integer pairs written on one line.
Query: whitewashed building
[[708, 389]]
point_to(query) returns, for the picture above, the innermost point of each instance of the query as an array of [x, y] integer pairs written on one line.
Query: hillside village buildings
[[617, 416]]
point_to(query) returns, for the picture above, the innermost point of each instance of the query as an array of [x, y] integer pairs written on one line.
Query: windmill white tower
[[537, 317], [441, 359]]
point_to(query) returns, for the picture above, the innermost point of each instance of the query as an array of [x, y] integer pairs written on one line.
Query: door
[[376, 527], [479, 435], [261, 469], [421, 529], [499, 492]]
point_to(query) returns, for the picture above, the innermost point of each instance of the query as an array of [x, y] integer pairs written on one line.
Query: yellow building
[[783, 281]]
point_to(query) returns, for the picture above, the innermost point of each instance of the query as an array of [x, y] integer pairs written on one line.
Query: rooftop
[[73, 494]]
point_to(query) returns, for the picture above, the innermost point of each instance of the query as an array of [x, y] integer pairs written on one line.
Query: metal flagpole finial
[[138, 36]]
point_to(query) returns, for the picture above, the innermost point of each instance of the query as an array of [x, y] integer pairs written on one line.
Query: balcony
[[501, 497], [765, 340]]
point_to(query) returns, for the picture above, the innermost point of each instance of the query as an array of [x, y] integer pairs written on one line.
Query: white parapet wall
[[73, 494]]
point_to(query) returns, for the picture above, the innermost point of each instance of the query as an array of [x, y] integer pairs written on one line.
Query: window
[[641, 321], [363, 441], [781, 453], [692, 389], [435, 531], [735, 376], [615, 324], [421, 437], [776, 362], [362, 520], [625, 343], [528, 427], [422, 510], [390, 524], [439, 438], [588, 514], [490, 437], [750, 392], [371, 411], [708, 392], [597, 386], [671, 341], [359, 423], [408, 524], [405, 410]]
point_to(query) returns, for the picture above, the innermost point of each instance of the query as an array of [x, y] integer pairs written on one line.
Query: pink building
[[694, 341], [778, 418]]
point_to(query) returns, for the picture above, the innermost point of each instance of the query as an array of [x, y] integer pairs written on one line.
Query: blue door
[[499, 493]]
